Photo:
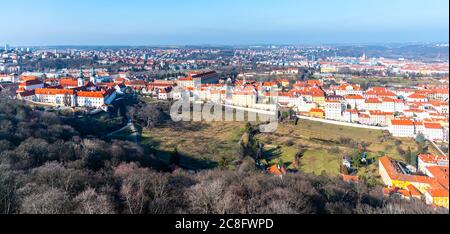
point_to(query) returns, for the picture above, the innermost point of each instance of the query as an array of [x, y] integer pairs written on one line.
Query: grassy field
[[206, 145], [324, 152], [202, 145], [379, 81]]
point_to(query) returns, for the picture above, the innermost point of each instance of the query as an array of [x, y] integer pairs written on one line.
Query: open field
[[201, 145], [397, 81], [205, 145], [323, 145]]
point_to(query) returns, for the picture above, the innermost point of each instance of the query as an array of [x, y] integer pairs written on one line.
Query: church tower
[[81, 79], [93, 76]]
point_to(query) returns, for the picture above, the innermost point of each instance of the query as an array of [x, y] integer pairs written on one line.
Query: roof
[[31, 82], [135, 83], [380, 113], [54, 91], [402, 122], [348, 87], [274, 170], [414, 191], [317, 110], [428, 158], [349, 178], [395, 173], [94, 94], [373, 100], [27, 93], [437, 192], [354, 97], [417, 96], [26, 78], [432, 125], [189, 78]]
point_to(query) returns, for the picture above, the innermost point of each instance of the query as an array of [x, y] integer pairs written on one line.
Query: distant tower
[[81, 78], [92, 74], [364, 57]]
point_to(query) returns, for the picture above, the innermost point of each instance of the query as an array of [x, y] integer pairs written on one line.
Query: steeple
[[81, 78], [92, 76]]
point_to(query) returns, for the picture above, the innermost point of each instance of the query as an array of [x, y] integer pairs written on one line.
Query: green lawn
[[316, 161], [323, 150], [204, 145]]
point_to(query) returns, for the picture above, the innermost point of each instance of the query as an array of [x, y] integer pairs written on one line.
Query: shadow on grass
[[272, 154], [186, 161], [186, 126], [189, 162]]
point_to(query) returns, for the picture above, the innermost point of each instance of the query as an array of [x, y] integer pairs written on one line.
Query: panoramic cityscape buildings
[[329, 97]]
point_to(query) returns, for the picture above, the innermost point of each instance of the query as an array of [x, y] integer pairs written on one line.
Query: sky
[[221, 22]]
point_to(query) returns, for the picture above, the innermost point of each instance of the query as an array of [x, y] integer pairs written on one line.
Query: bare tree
[[90, 202]]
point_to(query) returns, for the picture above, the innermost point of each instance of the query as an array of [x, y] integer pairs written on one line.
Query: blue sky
[[177, 22]]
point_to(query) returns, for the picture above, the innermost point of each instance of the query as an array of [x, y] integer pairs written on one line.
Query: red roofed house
[[57, 96], [426, 160], [394, 175], [96, 99], [348, 89], [373, 104], [136, 85], [350, 116], [334, 110], [356, 101], [30, 84], [433, 131], [277, 170], [402, 128], [417, 97]]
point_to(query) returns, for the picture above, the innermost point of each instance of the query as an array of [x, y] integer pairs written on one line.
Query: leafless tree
[[90, 202]]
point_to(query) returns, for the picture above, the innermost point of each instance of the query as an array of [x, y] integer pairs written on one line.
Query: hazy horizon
[[222, 23]]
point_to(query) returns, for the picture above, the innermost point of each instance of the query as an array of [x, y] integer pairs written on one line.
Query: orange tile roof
[[414, 191], [316, 110], [30, 82], [349, 178], [438, 192], [417, 96], [274, 170], [428, 158], [189, 78], [54, 91], [68, 82], [91, 94], [402, 122], [373, 100], [395, 173], [26, 78], [354, 97], [432, 125]]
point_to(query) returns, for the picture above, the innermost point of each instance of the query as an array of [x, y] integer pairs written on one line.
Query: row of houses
[[69, 92], [406, 127]]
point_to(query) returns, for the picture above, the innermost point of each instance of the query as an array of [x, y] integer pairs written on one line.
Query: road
[[437, 148]]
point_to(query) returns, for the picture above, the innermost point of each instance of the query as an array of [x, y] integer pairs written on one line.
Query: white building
[[356, 101], [433, 131], [95, 99], [347, 89], [334, 109], [402, 128]]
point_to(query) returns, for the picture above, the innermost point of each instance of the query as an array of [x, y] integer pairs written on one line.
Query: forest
[[49, 165]]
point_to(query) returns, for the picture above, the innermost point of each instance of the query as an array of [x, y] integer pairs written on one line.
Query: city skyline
[[201, 22]]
